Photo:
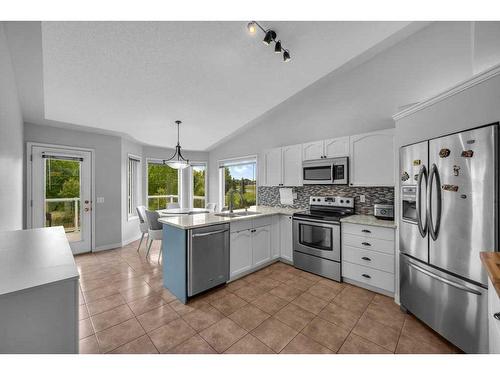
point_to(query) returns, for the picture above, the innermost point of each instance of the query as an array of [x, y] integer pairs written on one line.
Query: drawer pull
[[366, 231], [366, 243], [366, 276], [497, 316], [367, 259]]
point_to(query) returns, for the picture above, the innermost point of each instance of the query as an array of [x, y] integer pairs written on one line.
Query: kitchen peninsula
[[204, 250]]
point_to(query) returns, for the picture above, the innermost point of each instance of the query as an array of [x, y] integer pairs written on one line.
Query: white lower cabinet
[[249, 249], [261, 245], [368, 256], [493, 319], [286, 241], [240, 260]]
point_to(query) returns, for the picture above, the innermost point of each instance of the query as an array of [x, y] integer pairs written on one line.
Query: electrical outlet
[[362, 198], [100, 199]]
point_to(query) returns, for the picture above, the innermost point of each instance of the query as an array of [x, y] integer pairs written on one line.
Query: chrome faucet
[[231, 197]]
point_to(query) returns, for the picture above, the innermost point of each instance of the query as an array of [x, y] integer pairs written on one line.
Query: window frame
[[191, 182], [232, 162], [179, 180], [133, 185]]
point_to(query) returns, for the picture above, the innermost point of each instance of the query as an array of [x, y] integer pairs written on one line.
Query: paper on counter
[[286, 196]]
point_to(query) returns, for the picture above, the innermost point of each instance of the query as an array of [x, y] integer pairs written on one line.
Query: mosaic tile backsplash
[[270, 196]]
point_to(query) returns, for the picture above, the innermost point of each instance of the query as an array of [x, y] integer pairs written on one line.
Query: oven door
[[317, 238]]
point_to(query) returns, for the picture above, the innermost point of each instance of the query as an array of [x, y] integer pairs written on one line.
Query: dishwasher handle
[[194, 235]]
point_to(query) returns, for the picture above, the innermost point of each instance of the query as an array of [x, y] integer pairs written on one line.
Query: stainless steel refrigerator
[[448, 215]]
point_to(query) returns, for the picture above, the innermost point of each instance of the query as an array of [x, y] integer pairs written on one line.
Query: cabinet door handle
[[497, 316], [366, 243], [367, 259], [366, 276], [366, 231]]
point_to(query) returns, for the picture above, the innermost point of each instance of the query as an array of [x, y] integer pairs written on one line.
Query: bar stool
[[155, 230], [143, 224]]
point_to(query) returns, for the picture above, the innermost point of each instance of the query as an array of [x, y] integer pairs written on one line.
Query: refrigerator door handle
[[442, 279], [422, 175], [434, 227]]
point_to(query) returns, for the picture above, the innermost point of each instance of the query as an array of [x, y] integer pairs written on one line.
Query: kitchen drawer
[[262, 221], [366, 275], [371, 244], [368, 258], [239, 225], [369, 231]]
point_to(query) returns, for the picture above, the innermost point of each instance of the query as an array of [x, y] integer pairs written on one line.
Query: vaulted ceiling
[[137, 78]]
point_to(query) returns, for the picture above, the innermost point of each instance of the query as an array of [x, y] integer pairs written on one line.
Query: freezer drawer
[[208, 258], [452, 307]]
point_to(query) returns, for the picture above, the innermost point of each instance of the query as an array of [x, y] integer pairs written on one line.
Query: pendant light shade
[[177, 161]]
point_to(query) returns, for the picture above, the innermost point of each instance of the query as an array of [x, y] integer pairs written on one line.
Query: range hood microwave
[[334, 171]]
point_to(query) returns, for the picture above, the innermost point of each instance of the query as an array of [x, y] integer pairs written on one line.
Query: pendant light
[[177, 161]]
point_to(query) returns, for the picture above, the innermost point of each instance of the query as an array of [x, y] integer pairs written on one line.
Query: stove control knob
[[341, 201]]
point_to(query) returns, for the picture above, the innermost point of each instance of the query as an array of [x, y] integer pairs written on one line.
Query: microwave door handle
[[422, 175], [434, 227]]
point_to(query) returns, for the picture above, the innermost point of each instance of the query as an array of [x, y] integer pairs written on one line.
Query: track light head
[[277, 47], [252, 27], [270, 36], [286, 56]]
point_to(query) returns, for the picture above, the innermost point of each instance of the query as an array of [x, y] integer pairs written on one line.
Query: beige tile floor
[[279, 309]]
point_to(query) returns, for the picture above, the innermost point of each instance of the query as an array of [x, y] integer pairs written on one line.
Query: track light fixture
[[286, 56], [277, 47], [269, 37]]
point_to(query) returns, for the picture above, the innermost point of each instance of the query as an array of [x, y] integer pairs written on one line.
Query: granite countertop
[[491, 261], [368, 220], [203, 220], [34, 257]]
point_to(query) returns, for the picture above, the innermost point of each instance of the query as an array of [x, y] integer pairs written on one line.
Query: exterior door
[[462, 171], [61, 191], [413, 164]]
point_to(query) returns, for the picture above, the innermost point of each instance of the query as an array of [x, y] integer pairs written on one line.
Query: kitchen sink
[[237, 214]]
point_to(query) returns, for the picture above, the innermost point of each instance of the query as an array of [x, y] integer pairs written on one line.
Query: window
[[163, 185], [133, 184], [238, 175], [198, 184]]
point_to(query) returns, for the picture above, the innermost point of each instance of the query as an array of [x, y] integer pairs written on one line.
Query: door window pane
[[62, 196], [199, 188], [163, 185], [242, 179]]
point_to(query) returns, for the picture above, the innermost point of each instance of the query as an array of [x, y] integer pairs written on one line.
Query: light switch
[[100, 199], [362, 198]]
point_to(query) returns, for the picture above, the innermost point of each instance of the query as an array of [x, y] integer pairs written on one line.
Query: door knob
[[86, 209], [497, 316]]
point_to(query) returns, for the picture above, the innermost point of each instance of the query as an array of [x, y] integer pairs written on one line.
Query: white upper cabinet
[[312, 150], [372, 159], [336, 147], [272, 167], [329, 148], [292, 165]]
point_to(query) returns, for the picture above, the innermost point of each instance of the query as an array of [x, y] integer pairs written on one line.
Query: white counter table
[[38, 292]]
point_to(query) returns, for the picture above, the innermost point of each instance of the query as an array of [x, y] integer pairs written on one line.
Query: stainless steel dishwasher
[[208, 257]]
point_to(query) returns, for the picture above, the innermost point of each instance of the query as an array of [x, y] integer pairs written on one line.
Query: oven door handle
[[302, 220]]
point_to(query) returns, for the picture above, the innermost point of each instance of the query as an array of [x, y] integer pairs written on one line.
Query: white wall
[[11, 144], [365, 98]]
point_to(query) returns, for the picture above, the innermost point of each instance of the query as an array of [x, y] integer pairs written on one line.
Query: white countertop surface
[[202, 220], [34, 257], [182, 211], [368, 220]]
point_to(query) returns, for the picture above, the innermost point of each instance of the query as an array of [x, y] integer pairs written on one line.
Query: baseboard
[[130, 240], [107, 247], [366, 286]]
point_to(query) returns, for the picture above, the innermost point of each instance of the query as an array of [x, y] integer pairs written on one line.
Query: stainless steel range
[[316, 235]]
